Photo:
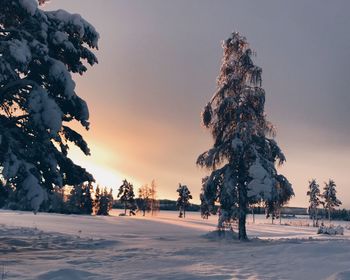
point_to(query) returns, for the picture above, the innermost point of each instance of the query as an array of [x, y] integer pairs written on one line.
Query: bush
[[331, 230]]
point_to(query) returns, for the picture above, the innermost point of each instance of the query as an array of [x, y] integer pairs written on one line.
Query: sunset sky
[[158, 63]]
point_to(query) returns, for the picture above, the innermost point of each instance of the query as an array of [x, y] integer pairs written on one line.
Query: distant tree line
[[78, 199]]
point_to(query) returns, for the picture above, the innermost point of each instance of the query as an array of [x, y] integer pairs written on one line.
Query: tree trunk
[[125, 208], [280, 216], [316, 217], [329, 215], [184, 213], [253, 215], [242, 233]]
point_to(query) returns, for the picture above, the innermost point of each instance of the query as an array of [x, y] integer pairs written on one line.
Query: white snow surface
[[52, 246]]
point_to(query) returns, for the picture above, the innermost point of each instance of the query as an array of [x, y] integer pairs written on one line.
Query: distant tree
[[183, 199], [97, 199], [75, 199], [154, 203], [330, 197], [40, 50], [105, 202], [126, 196], [314, 195], [110, 199], [280, 195], [144, 199], [57, 201], [87, 202], [242, 158]]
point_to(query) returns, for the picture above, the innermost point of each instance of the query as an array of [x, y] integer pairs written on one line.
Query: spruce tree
[[330, 197], [40, 50], [97, 199], [243, 156], [103, 203], [183, 200], [87, 203], [314, 195], [110, 200], [75, 199], [126, 196]]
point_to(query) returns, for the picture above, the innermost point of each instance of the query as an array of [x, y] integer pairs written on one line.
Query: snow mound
[[221, 234], [344, 275], [331, 230], [67, 274]]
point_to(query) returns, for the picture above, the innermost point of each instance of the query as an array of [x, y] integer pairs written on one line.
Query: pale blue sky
[[158, 65]]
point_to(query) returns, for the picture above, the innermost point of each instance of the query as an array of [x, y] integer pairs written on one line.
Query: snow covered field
[[52, 246]]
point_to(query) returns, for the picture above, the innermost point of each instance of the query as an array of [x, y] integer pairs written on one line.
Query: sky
[[158, 63]]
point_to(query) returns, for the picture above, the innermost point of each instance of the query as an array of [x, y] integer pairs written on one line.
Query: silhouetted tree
[[144, 199], [105, 202], [126, 196], [87, 202], [154, 203], [97, 199], [330, 197], [39, 52], [314, 195], [183, 199], [242, 158]]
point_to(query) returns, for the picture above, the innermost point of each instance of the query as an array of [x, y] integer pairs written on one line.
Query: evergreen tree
[[110, 200], [39, 52], [97, 199], [314, 201], [126, 196], [75, 199], [87, 203], [105, 202], [57, 203], [242, 158], [183, 199], [330, 197]]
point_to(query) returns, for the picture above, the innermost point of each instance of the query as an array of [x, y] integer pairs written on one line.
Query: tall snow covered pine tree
[[243, 157], [38, 52]]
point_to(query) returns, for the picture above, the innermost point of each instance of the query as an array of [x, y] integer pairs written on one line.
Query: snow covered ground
[[52, 246]]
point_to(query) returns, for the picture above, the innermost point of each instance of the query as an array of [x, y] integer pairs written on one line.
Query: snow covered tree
[[97, 199], [183, 200], [144, 199], [87, 203], [314, 195], [105, 202], [39, 51], [75, 199], [126, 196], [330, 197], [243, 156]]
